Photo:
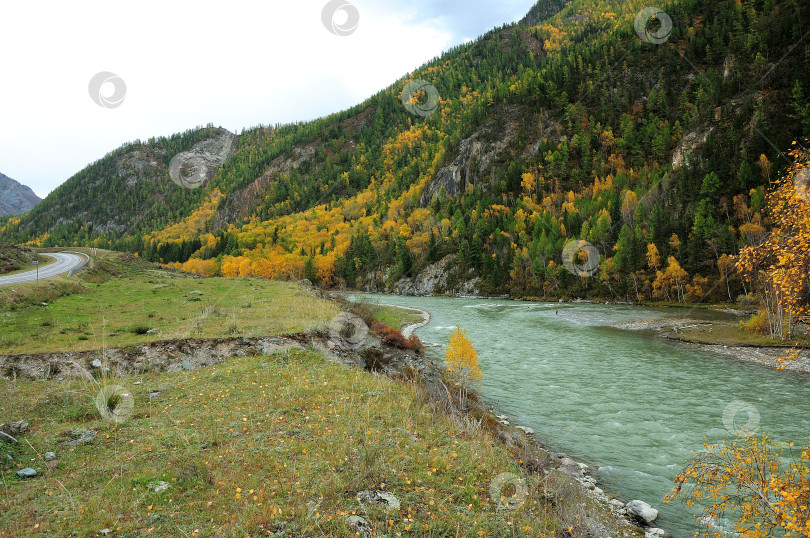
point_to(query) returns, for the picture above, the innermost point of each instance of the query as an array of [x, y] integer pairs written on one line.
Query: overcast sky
[[185, 63]]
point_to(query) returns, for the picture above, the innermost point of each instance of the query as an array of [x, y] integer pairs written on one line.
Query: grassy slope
[[21, 257], [252, 446], [125, 297]]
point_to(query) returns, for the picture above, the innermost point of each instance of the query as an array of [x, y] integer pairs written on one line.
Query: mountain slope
[[15, 198], [573, 125], [128, 191]]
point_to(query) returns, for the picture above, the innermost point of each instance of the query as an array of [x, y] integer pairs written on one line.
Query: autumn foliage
[[461, 360], [394, 338], [759, 486], [779, 265]]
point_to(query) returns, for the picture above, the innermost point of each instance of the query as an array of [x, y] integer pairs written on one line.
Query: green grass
[[255, 446], [394, 316], [119, 299], [731, 334]]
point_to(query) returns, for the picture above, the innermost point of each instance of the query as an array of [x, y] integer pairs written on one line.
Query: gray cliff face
[[195, 167], [432, 280], [476, 160], [15, 198]]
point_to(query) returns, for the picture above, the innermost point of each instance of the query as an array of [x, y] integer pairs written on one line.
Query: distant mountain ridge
[[15, 198]]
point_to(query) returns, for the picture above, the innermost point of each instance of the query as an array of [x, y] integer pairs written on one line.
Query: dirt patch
[[161, 356]]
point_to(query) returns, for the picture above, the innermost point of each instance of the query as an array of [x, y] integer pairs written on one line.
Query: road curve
[[64, 263]]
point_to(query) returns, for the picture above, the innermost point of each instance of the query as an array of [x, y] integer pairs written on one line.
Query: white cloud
[[188, 63]]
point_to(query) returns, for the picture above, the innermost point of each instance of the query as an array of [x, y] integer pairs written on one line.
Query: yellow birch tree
[[461, 360]]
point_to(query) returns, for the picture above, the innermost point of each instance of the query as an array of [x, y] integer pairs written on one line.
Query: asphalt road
[[64, 263]]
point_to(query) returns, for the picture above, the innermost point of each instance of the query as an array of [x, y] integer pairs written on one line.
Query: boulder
[[15, 428], [573, 468], [381, 498], [96, 363], [641, 512], [26, 473], [50, 456], [617, 507], [158, 486], [657, 533], [80, 437], [360, 525]]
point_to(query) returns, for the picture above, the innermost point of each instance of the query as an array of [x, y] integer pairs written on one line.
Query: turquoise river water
[[632, 404]]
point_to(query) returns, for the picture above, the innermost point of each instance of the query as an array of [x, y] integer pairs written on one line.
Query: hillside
[[15, 198], [126, 192], [15, 258], [565, 127]]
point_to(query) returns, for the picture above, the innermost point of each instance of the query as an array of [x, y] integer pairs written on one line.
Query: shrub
[[757, 324], [374, 359], [747, 301], [392, 337]]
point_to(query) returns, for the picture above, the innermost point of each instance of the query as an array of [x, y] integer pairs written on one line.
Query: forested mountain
[[15, 198], [651, 145], [126, 192]]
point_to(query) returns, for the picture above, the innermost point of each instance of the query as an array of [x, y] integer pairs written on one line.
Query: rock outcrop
[[476, 158], [434, 277], [690, 143], [193, 168], [432, 280]]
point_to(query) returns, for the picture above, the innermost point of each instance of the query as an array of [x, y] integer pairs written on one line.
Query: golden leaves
[[461, 359], [779, 262], [749, 480]]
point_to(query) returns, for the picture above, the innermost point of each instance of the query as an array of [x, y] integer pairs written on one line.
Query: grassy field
[[116, 303], [254, 447]]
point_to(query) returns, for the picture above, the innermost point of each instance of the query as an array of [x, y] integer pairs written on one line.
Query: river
[[632, 404]]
